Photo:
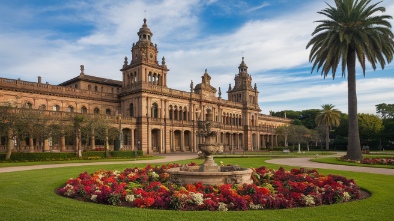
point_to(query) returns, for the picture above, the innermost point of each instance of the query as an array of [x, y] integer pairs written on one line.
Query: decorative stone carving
[[234, 179]]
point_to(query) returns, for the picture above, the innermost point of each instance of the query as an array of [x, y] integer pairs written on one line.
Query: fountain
[[209, 172]]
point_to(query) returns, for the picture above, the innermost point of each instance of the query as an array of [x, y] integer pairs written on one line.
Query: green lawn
[[29, 195]]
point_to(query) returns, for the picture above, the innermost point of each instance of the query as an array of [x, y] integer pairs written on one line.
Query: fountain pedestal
[[209, 165], [209, 173]]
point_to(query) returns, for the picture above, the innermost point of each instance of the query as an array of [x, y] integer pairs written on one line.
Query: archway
[[177, 140], [155, 136]]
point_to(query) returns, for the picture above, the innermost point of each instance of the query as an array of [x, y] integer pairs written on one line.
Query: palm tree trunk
[[327, 137], [354, 147]]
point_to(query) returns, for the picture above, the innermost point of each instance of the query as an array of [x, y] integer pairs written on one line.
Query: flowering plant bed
[[379, 161], [149, 188]]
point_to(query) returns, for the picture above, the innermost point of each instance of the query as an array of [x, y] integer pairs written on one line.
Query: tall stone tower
[[243, 92], [144, 65], [140, 97]]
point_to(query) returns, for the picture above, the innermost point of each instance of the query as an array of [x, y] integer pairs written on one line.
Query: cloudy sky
[[52, 39]]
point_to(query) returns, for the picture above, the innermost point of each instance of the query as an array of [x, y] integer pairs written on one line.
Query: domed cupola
[[145, 34], [243, 69]]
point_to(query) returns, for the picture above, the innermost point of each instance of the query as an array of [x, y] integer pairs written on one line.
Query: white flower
[[197, 198], [309, 200], [346, 196], [154, 175], [222, 207], [130, 198], [93, 198], [69, 190], [255, 207]]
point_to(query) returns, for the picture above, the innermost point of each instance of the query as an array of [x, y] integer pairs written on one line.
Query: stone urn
[[209, 147]]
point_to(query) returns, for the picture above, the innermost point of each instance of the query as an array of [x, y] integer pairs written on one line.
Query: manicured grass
[[13, 164], [337, 161], [29, 195]]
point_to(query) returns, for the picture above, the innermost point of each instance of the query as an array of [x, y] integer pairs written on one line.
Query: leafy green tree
[[308, 118], [385, 111], [283, 132], [351, 31], [298, 134], [7, 119], [388, 133], [291, 114], [370, 126], [83, 126], [329, 117]]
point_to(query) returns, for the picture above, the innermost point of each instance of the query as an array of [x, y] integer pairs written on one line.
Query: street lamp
[[135, 150]]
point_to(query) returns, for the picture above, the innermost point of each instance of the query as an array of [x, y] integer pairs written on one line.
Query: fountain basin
[[191, 175]]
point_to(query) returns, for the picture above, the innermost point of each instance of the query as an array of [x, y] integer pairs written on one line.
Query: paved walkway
[[167, 158], [305, 162], [298, 162]]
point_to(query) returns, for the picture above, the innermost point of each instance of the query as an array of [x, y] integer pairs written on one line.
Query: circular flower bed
[[149, 188]]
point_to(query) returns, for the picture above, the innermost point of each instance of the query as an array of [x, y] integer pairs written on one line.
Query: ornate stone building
[[155, 118]]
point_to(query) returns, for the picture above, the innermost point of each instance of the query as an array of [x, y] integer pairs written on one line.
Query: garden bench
[[286, 151]]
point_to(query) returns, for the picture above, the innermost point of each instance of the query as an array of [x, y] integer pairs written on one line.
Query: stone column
[[63, 143], [182, 141], [31, 145], [272, 141], [46, 145]]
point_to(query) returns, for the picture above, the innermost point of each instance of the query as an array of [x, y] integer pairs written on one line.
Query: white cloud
[[259, 7]]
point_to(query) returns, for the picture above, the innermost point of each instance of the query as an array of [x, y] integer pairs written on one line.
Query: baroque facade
[[154, 118]]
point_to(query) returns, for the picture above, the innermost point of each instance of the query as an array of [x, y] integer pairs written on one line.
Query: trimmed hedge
[[89, 155]]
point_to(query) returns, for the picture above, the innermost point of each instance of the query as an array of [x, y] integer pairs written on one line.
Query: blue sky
[[52, 39]]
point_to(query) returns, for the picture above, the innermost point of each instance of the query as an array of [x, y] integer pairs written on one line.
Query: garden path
[[305, 162], [167, 158], [299, 162]]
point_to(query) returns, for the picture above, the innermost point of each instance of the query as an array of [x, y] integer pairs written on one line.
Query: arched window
[[70, 109], [56, 107], [170, 112], [96, 110], [95, 88], [185, 114], [29, 105], [155, 110], [42, 107], [131, 108], [108, 111], [89, 87], [84, 110], [175, 113], [180, 114], [76, 86]]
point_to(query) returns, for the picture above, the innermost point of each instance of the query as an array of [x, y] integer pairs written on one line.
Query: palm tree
[[351, 31], [329, 117]]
